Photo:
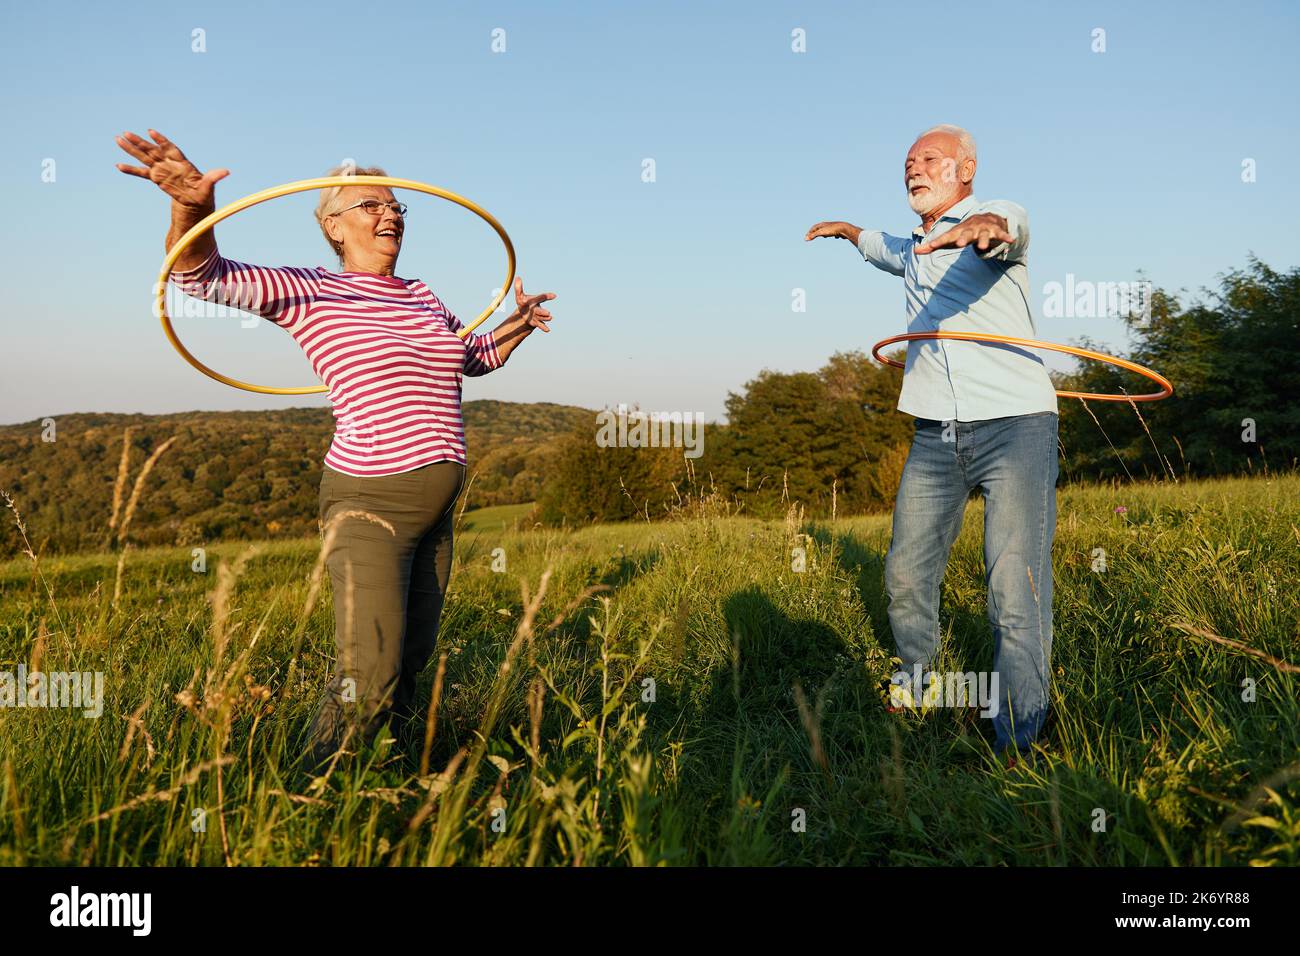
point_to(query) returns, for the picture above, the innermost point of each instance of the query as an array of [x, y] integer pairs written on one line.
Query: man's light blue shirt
[[960, 290]]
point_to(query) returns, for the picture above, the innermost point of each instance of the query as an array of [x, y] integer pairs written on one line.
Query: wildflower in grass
[[1121, 510]]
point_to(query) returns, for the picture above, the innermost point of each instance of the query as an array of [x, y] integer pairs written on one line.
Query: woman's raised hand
[[529, 307], [167, 166]]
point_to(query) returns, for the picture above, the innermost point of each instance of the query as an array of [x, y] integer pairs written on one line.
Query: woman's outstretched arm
[[276, 294]]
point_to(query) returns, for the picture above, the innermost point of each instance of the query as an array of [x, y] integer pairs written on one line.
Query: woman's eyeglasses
[[375, 207]]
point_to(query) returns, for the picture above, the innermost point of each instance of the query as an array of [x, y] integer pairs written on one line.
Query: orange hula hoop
[[1167, 387]]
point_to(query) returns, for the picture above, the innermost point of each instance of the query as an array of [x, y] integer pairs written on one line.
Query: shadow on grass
[[874, 788], [752, 761]]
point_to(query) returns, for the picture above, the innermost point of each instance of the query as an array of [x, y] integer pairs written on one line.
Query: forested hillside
[[229, 474]]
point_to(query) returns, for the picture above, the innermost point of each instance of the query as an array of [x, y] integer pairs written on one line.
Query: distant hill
[[232, 474]]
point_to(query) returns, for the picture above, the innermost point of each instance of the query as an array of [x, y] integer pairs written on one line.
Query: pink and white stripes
[[385, 348]]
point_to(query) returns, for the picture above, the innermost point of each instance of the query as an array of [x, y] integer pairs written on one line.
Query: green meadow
[[674, 693]]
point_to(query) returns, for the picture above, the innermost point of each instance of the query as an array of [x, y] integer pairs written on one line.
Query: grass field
[[711, 706], [497, 518]]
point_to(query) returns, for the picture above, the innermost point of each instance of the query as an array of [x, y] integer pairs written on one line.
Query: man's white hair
[[965, 141]]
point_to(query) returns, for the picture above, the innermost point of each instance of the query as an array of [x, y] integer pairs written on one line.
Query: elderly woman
[[387, 350]]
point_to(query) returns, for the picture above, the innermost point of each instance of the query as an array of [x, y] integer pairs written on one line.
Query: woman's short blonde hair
[[330, 202]]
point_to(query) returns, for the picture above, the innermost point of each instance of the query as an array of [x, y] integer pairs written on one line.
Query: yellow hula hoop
[[304, 185], [1166, 386]]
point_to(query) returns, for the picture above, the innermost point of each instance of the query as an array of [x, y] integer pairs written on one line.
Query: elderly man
[[985, 419]]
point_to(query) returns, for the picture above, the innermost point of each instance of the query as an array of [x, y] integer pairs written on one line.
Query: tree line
[[832, 439]]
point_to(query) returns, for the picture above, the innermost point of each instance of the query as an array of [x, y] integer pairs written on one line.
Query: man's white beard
[[938, 195]]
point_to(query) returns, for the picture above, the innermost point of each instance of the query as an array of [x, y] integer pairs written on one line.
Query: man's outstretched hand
[[986, 230], [835, 230]]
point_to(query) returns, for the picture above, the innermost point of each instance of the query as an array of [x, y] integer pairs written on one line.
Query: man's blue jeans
[[1013, 462]]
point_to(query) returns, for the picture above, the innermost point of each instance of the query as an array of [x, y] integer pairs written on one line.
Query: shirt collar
[[956, 214]]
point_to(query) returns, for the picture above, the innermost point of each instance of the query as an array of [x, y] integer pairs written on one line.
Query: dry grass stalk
[[161, 796], [119, 486], [38, 651], [811, 720], [298, 798], [1118, 458], [134, 725], [431, 719], [219, 599], [464, 503], [131, 504], [1159, 457], [117, 580], [437, 787], [218, 701], [138, 487], [36, 565], [1238, 646], [536, 697]]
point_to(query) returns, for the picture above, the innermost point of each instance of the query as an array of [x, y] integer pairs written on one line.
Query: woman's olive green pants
[[389, 563]]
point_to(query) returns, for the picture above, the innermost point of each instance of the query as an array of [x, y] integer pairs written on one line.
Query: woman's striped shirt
[[386, 349]]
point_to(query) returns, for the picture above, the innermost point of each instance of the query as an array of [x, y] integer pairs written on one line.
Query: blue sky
[[671, 293]]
